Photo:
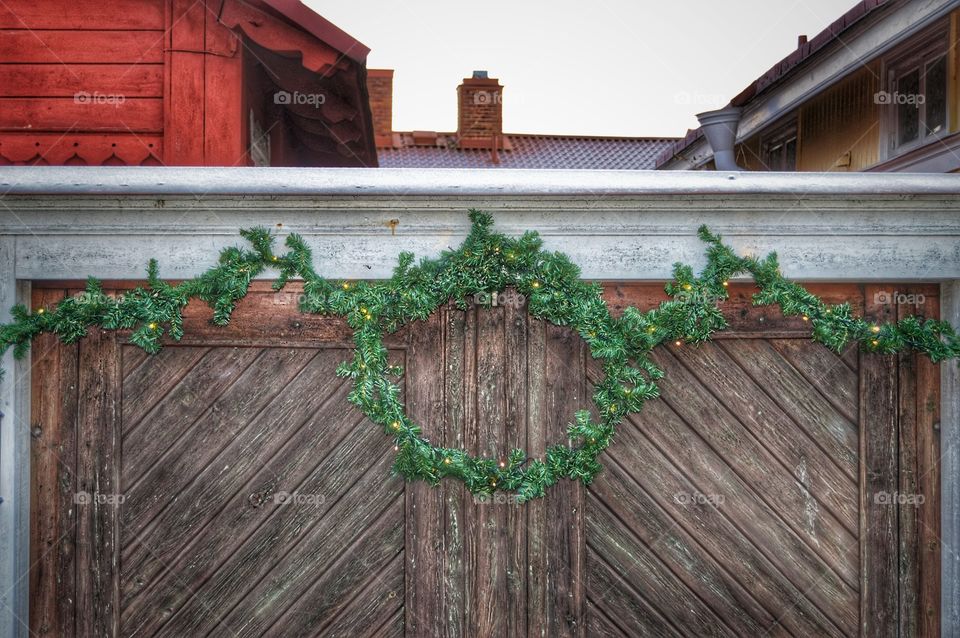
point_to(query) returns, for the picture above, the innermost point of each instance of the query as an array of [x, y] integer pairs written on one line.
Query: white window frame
[[918, 53]]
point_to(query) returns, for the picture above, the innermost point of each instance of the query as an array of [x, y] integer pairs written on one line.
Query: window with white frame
[[914, 101], [779, 149]]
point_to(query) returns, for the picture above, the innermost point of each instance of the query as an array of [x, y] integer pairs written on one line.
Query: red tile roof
[[440, 150]]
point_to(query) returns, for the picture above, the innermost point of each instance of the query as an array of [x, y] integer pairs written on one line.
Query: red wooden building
[[180, 82]]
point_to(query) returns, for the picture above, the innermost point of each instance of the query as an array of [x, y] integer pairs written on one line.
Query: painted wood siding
[[81, 85], [762, 492]]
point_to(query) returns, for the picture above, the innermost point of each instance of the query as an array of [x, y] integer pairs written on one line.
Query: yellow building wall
[[840, 129]]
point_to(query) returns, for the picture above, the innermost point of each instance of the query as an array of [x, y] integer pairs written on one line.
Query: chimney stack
[[479, 111], [380, 90]]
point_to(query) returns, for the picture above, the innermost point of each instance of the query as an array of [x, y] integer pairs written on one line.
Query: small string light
[[651, 329], [395, 425], [874, 329], [726, 284], [613, 408], [502, 464], [806, 318], [687, 286], [396, 448], [346, 286], [274, 258], [447, 461], [535, 284], [40, 311], [496, 249], [153, 326], [875, 342], [678, 343]]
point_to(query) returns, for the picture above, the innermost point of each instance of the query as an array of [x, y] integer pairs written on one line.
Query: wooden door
[[225, 487]]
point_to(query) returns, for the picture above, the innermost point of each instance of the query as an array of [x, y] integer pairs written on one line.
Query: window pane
[[908, 113], [790, 155], [936, 95]]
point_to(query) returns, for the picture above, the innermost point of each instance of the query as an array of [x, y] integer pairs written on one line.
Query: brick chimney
[[380, 90], [479, 111]]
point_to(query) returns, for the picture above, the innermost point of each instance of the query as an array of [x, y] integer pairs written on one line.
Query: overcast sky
[[604, 67]]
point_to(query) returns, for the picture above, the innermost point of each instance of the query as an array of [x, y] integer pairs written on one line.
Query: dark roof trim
[[787, 65], [301, 16]]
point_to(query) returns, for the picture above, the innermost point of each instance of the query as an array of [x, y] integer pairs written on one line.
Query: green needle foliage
[[485, 263]]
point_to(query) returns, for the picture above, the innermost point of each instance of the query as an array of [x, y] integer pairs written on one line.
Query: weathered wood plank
[[781, 495], [41, 46], [173, 466], [807, 463], [919, 520], [187, 513], [70, 80], [768, 534], [83, 14], [331, 434], [878, 480], [717, 527], [336, 602], [788, 389], [456, 407], [516, 395], [928, 481], [283, 555], [824, 371], [53, 475], [488, 543], [98, 496], [688, 559], [96, 114], [612, 545], [558, 542], [425, 542], [146, 385], [183, 113], [381, 608], [627, 606]]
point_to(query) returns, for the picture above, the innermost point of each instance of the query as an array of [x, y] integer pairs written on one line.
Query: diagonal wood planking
[[210, 429]]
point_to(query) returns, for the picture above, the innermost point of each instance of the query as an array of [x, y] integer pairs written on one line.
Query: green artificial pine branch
[[485, 263]]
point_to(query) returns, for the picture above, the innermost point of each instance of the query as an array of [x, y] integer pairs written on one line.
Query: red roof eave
[[305, 18]]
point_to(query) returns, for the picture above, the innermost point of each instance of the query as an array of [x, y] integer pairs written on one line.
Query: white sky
[[605, 67]]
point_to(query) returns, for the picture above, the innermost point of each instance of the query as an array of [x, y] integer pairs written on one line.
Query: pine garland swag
[[485, 263]]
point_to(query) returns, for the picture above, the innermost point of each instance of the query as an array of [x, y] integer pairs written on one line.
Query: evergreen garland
[[485, 263]]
